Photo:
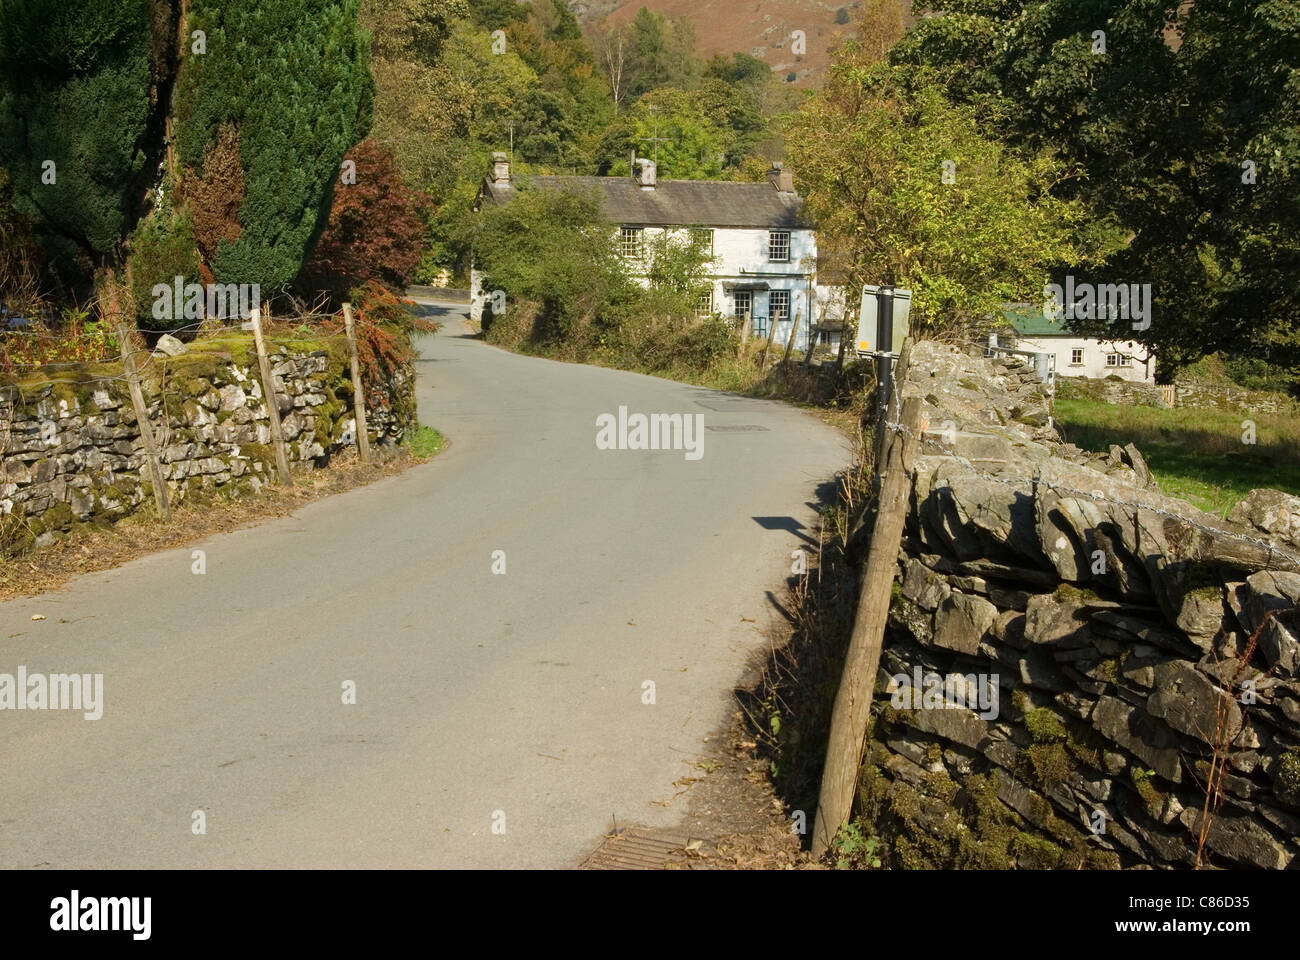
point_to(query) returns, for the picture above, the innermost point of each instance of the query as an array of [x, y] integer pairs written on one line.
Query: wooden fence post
[[794, 332], [767, 345], [812, 338], [857, 683], [272, 404], [358, 394], [142, 419], [844, 338]]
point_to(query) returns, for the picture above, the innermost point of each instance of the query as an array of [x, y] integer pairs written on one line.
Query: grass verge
[[1200, 455], [424, 442]]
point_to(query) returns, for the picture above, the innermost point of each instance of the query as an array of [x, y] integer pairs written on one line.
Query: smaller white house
[[1077, 355], [765, 252]]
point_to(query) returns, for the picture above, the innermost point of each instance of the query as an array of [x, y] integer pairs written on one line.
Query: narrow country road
[[512, 698]]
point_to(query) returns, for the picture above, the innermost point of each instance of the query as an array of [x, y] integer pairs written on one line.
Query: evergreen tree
[[77, 81], [292, 78]]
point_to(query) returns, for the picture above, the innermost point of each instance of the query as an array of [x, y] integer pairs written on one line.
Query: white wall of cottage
[[1141, 366]]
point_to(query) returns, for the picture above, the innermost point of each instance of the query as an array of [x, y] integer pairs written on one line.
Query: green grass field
[[424, 442], [1197, 455]]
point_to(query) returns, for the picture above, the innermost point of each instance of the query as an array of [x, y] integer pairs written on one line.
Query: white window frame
[[704, 233], [773, 297], [704, 307], [739, 297], [1118, 360], [632, 243], [1076, 356], [773, 246]]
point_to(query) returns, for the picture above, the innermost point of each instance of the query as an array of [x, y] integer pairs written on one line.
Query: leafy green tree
[[497, 14], [741, 70], [162, 248], [906, 189], [662, 53], [673, 125], [80, 123], [1167, 112], [567, 111], [552, 248], [419, 113], [292, 77], [736, 112], [677, 263]]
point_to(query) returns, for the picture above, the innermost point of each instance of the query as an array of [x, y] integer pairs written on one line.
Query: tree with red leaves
[[376, 228]]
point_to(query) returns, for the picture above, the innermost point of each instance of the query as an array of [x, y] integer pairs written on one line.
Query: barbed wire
[[152, 358], [72, 363], [44, 381], [157, 355], [201, 327]]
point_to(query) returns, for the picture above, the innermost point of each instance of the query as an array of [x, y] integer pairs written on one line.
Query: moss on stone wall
[[198, 418]]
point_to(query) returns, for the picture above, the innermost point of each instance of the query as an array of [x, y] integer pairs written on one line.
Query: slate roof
[[677, 203]]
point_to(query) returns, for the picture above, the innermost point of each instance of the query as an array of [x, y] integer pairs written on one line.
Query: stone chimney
[[500, 168], [780, 177], [645, 173]]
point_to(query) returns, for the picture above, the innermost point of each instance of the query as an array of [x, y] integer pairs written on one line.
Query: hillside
[[762, 28]]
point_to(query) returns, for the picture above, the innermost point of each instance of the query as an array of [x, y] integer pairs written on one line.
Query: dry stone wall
[[72, 450], [1072, 654], [1190, 393], [1187, 393]]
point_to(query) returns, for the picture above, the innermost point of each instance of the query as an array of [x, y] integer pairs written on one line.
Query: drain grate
[[635, 848], [737, 428]]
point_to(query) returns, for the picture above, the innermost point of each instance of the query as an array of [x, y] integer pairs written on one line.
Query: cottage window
[[742, 302], [1076, 356], [631, 242], [704, 306], [778, 246], [704, 237], [778, 305], [1118, 360]]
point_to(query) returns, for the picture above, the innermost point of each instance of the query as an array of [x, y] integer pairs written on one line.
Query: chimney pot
[[500, 167], [781, 178], [645, 173]]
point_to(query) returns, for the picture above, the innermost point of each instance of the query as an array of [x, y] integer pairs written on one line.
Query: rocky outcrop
[[72, 451], [1130, 636]]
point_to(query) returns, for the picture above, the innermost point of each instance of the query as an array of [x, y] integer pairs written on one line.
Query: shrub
[[375, 230], [555, 249], [384, 325], [74, 338], [215, 194], [1254, 373], [570, 294], [21, 266], [162, 249]]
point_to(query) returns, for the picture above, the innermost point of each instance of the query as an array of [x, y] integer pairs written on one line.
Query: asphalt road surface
[[510, 700]]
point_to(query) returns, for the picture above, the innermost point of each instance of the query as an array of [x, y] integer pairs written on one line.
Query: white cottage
[[1076, 355], [765, 252]]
